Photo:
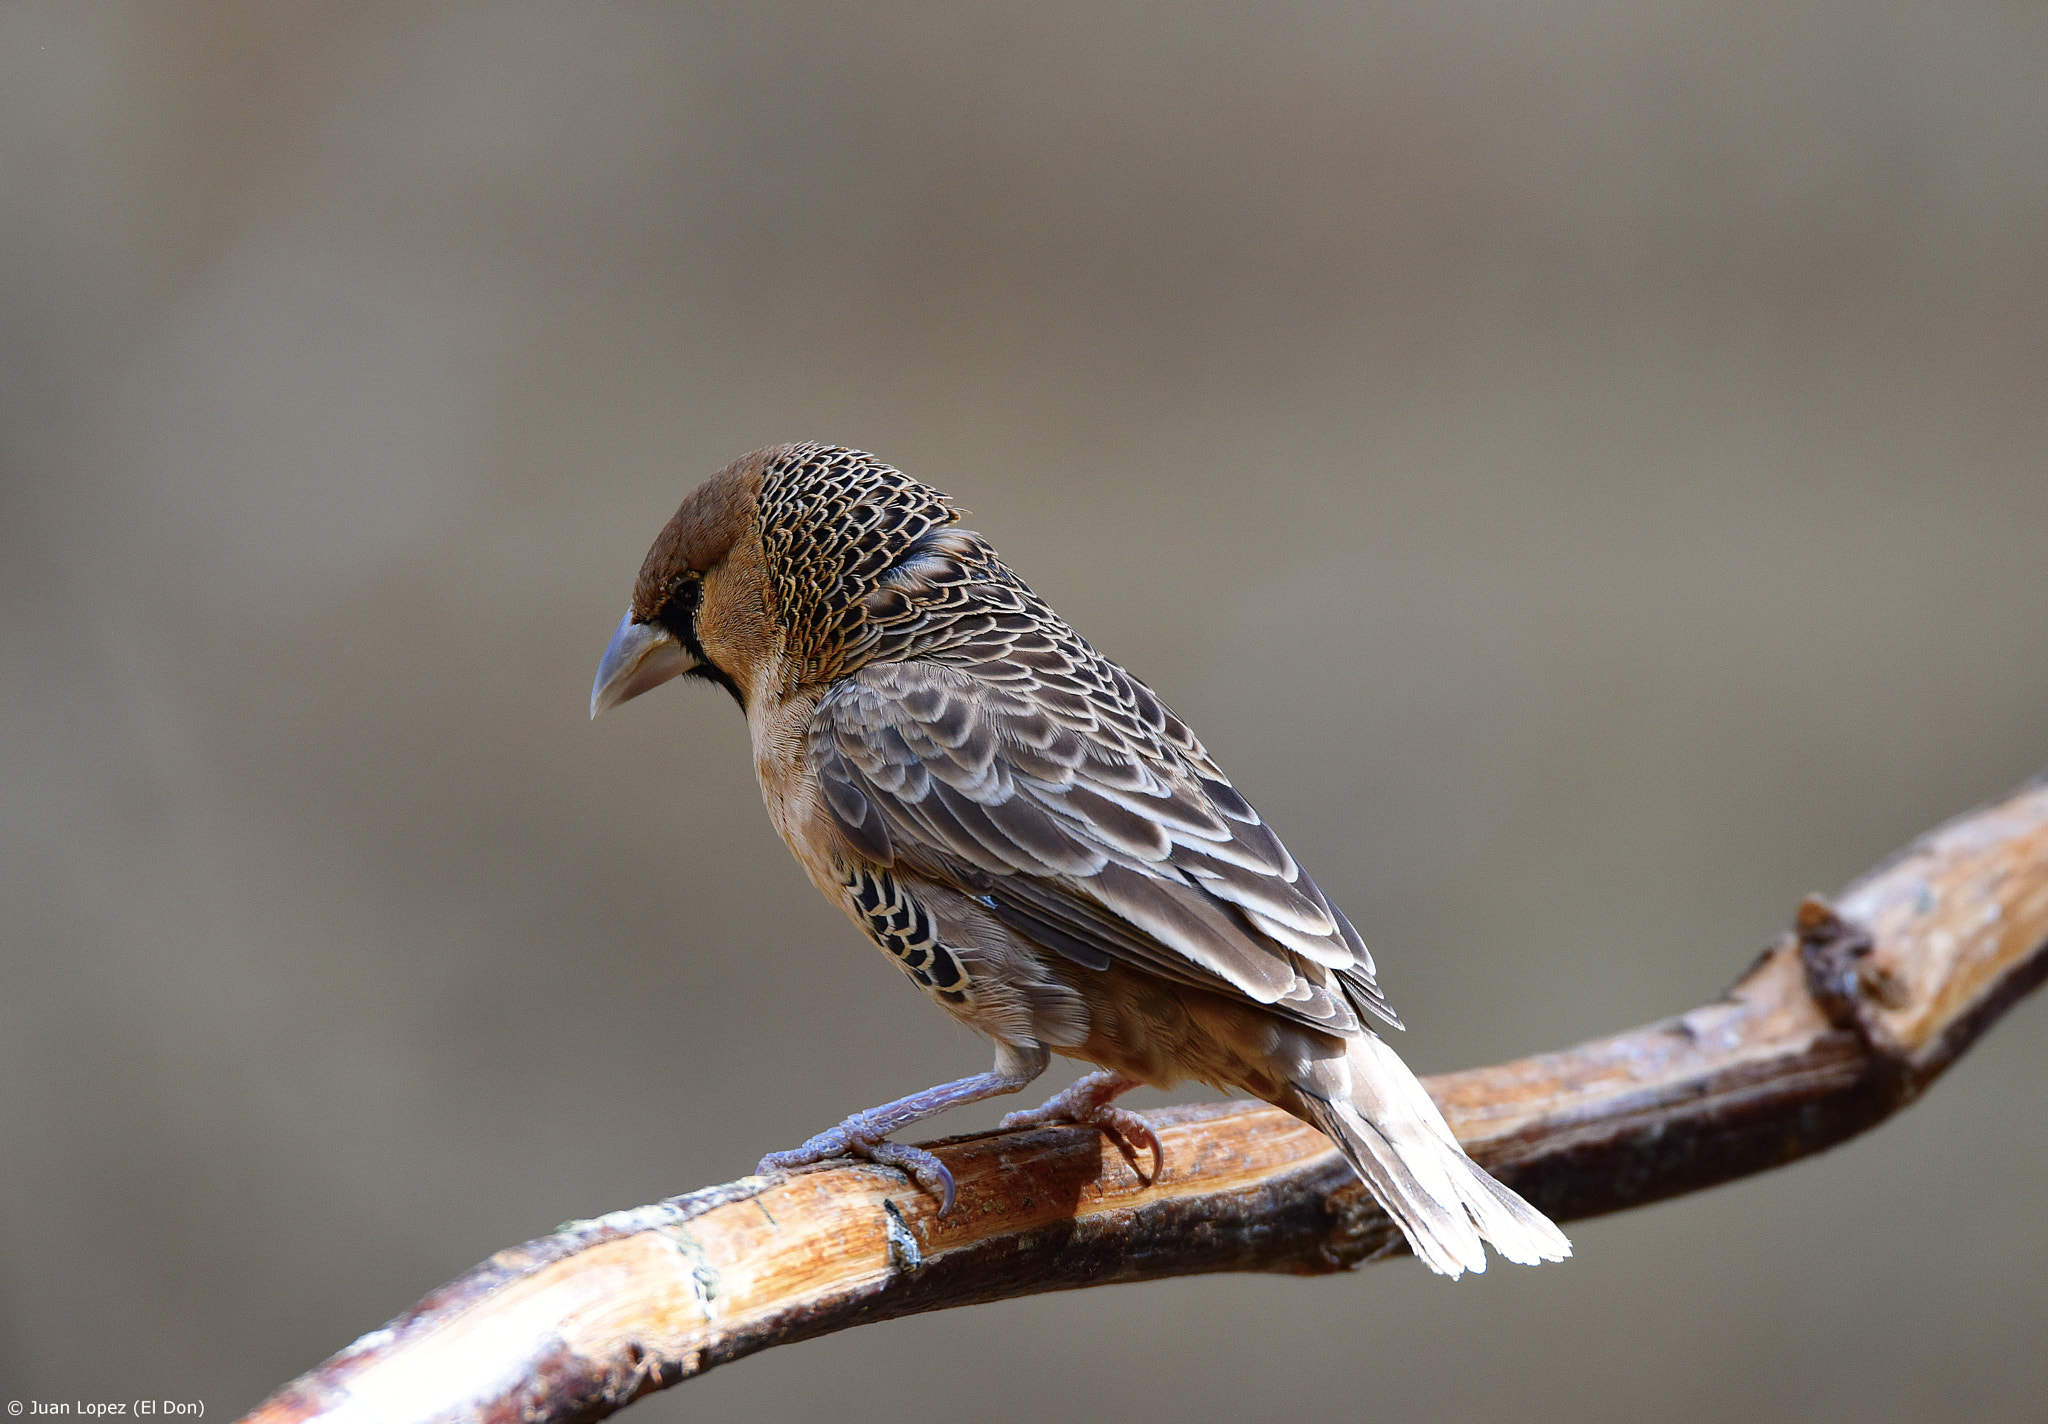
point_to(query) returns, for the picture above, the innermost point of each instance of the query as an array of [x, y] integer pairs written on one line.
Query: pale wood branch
[[1847, 1020]]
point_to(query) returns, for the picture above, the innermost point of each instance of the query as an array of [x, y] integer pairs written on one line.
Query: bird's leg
[[863, 1134], [1089, 1103]]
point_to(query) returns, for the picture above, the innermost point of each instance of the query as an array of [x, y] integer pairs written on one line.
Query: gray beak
[[639, 657]]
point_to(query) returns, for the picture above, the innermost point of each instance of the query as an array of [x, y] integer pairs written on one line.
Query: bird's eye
[[679, 612]]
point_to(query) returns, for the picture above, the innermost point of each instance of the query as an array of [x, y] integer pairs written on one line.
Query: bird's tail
[[1385, 1124]]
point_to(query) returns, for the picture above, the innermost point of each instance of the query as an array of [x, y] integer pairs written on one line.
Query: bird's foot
[[1088, 1104], [865, 1134], [857, 1137]]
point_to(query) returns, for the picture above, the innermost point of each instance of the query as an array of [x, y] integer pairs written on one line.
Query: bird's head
[[785, 567]]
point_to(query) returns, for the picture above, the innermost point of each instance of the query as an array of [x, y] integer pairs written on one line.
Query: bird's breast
[[789, 788]]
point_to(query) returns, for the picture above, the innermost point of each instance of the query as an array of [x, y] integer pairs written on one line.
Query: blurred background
[[1583, 469]]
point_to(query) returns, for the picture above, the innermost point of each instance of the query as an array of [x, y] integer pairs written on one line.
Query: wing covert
[[1040, 777]]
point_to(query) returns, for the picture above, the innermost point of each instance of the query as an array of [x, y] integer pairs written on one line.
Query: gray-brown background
[[1583, 468]]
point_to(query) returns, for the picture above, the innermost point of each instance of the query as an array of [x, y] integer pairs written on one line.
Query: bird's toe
[[837, 1142], [1133, 1133], [919, 1165], [1087, 1104], [847, 1140]]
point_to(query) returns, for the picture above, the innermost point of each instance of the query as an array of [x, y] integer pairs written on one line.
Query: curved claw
[[923, 1168], [844, 1141], [1133, 1132], [1087, 1104], [1125, 1128]]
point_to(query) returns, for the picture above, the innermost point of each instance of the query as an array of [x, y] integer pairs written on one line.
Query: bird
[[1035, 840]]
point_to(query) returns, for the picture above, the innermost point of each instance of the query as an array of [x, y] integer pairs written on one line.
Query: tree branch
[[1845, 1021]]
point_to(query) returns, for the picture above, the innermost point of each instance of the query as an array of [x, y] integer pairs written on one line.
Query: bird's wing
[[1043, 779]]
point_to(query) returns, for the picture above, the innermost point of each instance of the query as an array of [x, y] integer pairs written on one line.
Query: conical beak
[[640, 656]]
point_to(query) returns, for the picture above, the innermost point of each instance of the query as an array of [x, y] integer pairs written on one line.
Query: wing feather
[[1036, 775]]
